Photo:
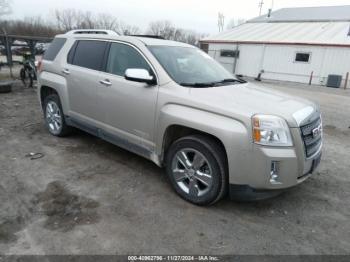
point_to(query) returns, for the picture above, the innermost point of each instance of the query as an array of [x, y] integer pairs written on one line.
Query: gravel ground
[[86, 196]]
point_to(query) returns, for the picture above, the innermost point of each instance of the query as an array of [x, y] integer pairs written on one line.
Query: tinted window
[[54, 48], [71, 53], [122, 57], [89, 54], [302, 57]]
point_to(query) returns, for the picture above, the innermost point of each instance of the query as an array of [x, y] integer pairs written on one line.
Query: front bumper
[[248, 193], [292, 167]]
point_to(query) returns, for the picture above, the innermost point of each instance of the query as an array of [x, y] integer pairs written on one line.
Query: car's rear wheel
[[54, 117], [196, 168]]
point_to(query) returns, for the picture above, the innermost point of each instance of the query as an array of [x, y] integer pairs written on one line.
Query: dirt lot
[[86, 196]]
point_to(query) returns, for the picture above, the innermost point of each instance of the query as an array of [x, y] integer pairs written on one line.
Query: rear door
[[83, 72]]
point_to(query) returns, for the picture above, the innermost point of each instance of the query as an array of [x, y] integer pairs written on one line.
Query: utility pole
[[261, 4], [221, 22]]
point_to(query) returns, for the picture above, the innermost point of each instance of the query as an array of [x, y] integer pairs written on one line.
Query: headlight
[[271, 131]]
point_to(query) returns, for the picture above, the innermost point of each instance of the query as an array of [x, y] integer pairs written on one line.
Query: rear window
[[89, 54], [54, 48]]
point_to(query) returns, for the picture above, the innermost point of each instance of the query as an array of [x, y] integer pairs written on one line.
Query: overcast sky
[[199, 15]]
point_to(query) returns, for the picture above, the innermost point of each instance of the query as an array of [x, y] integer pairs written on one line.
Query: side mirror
[[139, 75]]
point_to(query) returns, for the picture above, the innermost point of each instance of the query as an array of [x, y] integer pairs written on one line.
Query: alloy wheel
[[53, 117], [192, 172]]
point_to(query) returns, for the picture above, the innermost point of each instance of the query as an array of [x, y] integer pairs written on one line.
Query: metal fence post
[[8, 51], [346, 80]]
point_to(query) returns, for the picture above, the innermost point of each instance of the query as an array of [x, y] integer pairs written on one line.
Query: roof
[[307, 14], [160, 42], [325, 26], [114, 36]]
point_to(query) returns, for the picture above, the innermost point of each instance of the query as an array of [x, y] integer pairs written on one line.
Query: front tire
[[197, 169], [54, 117]]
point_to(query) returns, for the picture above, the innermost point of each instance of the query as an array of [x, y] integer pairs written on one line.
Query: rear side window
[[54, 48], [122, 57], [89, 54]]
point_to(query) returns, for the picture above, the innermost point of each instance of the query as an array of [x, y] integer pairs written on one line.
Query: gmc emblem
[[317, 131]]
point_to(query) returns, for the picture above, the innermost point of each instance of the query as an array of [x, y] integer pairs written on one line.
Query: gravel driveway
[[85, 196]]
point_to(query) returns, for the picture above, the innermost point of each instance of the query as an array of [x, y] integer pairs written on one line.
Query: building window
[[302, 57], [205, 47], [229, 53]]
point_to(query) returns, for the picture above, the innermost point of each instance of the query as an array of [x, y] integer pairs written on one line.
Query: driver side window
[[122, 57]]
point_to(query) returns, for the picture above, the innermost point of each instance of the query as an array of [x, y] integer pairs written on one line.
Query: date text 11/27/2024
[[173, 258]]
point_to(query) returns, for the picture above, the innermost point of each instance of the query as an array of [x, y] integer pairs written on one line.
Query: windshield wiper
[[212, 84], [230, 80], [209, 84]]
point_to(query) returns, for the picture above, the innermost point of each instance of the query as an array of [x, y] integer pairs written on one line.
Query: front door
[[129, 106]]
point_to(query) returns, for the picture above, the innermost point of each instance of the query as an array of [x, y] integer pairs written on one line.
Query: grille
[[312, 141]]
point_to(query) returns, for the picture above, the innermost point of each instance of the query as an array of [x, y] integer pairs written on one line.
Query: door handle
[[106, 82], [65, 71]]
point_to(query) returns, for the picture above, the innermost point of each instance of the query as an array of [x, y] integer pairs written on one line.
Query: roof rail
[[91, 31], [150, 36]]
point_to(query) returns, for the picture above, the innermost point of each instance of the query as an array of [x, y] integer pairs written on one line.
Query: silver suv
[[174, 105]]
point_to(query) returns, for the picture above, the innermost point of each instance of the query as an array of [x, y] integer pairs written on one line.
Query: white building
[[292, 44]]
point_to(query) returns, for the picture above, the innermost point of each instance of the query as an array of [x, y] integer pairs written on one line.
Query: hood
[[246, 100]]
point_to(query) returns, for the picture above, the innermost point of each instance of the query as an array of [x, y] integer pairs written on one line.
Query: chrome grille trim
[[312, 142]]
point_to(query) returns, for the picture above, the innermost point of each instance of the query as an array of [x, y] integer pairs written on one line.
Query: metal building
[[291, 44]]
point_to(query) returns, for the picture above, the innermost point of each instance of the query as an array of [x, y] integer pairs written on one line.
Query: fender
[[232, 133], [57, 82]]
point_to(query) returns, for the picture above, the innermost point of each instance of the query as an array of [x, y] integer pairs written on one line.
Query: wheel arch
[[50, 83], [46, 91], [231, 134], [175, 132]]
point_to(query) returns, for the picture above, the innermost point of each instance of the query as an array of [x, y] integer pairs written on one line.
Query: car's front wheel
[[196, 168]]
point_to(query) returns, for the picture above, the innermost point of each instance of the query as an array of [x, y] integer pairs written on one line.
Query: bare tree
[[106, 21], [162, 28], [85, 20], [126, 29], [70, 19], [5, 7], [31, 26], [65, 19], [167, 30]]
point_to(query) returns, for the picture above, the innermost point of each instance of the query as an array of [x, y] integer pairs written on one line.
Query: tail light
[[39, 66]]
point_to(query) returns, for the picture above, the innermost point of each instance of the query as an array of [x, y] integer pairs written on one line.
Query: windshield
[[191, 67]]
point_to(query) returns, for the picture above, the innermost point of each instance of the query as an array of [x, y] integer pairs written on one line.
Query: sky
[[198, 15]]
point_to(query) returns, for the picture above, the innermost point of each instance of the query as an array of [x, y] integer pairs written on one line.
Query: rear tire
[[23, 76], [196, 167], [54, 116]]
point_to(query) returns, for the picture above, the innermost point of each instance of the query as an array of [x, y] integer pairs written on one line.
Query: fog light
[[274, 173]]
